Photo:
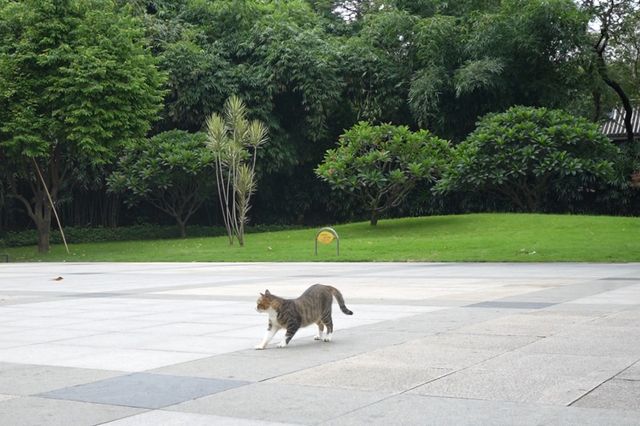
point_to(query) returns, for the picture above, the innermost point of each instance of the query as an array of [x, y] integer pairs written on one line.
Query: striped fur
[[312, 307]]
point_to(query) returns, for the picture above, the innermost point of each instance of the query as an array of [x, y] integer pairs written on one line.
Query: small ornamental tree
[[531, 154], [171, 171], [380, 165], [234, 141]]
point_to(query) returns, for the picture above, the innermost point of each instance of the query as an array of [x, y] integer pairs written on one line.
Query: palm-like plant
[[234, 141]]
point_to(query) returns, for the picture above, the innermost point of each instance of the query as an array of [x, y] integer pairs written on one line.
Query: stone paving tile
[[280, 403], [489, 342], [32, 411], [523, 325], [510, 305], [439, 321], [518, 377], [172, 418], [7, 397], [185, 328], [628, 295], [631, 373], [45, 335], [616, 393], [595, 344], [45, 354], [130, 324], [255, 365], [363, 375], [143, 390], [130, 360], [210, 345], [31, 379], [419, 410], [238, 366]]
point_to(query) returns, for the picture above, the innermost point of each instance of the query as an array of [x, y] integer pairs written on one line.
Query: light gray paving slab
[[130, 360], [598, 343], [364, 375], [618, 393], [7, 397], [239, 366], [31, 379], [510, 305], [44, 335], [281, 403], [488, 342], [32, 411], [524, 325], [173, 418], [539, 378], [143, 390], [419, 410], [631, 373]]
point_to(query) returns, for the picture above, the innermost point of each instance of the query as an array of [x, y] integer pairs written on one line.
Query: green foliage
[[76, 83], [76, 74], [234, 142], [171, 170], [533, 155], [380, 164], [515, 53], [144, 232]]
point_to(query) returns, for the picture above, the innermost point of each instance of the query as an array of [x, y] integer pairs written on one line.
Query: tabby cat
[[312, 307]]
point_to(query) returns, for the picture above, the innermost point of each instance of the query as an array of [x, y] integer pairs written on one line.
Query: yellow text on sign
[[325, 237]]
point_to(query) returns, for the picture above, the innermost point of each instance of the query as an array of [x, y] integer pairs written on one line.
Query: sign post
[[326, 236]]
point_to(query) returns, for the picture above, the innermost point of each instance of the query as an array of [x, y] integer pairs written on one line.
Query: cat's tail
[[336, 293]]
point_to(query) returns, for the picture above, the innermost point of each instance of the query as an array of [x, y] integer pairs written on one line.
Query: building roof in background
[[614, 127]]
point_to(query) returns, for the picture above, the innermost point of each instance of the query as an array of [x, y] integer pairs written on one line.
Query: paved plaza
[[428, 344]]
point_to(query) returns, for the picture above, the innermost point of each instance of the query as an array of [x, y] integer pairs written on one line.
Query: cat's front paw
[[317, 337], [326, 338], [282, 344], [259, 347]]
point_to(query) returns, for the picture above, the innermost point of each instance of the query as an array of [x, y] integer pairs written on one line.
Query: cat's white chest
[[273, 317]]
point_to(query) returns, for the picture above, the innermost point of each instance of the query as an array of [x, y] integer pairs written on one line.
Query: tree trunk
[[182, 226], [43, 224], [241, 235], [624, 98], [374, 217], [44, 234]]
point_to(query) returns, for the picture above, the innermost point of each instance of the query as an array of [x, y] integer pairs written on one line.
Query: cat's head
[[264, 301]]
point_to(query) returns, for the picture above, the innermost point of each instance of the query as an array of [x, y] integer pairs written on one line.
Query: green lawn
[[475, 237]]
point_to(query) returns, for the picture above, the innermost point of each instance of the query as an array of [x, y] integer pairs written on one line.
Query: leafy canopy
[[530, 155], [172, 171], [379, 165]]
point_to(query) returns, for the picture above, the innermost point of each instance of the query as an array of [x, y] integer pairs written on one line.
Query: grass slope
[[475, 237]]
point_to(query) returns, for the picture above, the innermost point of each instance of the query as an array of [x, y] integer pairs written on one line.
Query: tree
[[75, 81], [520, 52], [618, 34], [379, 165], [234, 141], [171, 171], [530, 155]]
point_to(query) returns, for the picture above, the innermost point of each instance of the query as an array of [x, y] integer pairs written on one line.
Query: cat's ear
[[262, 295], [266, 293]]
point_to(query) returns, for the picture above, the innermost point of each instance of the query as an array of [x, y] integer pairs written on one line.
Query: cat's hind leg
[[320, 334], [328, 322]]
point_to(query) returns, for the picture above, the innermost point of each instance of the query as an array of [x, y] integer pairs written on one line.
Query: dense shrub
[[380, 165], [137, 232], [535, 157]]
